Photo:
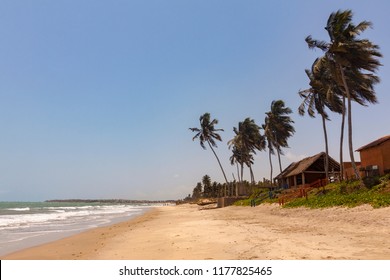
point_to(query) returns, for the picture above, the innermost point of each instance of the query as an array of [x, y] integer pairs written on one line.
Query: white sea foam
[[51, 214], [19, 209], [37, 224]]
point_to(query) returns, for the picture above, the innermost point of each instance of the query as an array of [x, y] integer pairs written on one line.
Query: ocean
[[27, 224]]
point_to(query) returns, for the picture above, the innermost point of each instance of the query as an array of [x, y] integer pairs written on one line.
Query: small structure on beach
[[307, 171], [375, 157]]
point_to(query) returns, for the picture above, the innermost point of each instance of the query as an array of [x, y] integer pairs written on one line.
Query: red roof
[[374, 143]]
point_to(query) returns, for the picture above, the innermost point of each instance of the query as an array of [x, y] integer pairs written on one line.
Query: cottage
[[307, 171], [375, 157]]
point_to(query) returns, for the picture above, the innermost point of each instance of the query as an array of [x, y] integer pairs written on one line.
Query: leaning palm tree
[[246, 141], [321, 95], [241, 157], [269, 144], [237, 159], [356, 63], [208, 133], [278, 127]]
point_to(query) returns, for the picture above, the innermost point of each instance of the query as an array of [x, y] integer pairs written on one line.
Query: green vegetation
[[347, 194], [259, 195], [344, 194]]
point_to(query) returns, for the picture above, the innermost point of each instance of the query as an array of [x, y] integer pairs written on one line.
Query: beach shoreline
[[29, 224], [185, 232]]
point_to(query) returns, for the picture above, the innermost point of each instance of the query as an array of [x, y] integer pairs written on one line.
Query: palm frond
[[316, 44]]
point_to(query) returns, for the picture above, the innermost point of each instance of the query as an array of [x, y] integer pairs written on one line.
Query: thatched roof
[[374, 143], [313, 163]]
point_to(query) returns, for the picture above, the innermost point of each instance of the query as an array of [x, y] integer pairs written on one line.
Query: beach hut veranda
[[308, 171]]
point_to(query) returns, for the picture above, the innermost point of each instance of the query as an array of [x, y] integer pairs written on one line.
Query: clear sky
[[96, 97]]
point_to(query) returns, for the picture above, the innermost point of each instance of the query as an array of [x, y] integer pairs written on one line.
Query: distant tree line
[[208, 189]]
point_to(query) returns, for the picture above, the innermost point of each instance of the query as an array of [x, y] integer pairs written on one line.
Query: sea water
[[27, 224]]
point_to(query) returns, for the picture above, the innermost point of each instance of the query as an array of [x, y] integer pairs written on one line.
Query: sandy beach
[[265, 232]]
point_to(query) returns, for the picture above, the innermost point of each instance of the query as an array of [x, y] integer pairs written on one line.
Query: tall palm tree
[[238, 159], [356, 63], [269, 143], [321, 95], [278, 128], [246, 141], [208, 133]]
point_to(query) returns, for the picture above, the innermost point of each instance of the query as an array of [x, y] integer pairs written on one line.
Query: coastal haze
[[97, 96]]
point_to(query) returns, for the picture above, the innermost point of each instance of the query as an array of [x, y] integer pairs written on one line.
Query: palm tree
[[321, 94], [278, 128], [208, 133], [270, 144], [356, 62], [246, 141], [238, 159], [206, 181]]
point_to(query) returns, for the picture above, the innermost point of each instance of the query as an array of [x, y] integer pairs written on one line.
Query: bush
[[370, 182], [348, 194]]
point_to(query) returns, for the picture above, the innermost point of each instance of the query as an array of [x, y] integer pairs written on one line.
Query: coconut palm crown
[[246, 141], [278, 128], [356, 62], [207, 133], [322, 94]]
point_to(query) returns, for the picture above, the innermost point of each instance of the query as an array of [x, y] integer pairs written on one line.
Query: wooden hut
[[375, 157], [308, 171]]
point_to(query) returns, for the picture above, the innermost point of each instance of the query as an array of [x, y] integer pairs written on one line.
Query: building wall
[[386, 155], [309, 178], [378, 155], [349, 173], [312, 177]]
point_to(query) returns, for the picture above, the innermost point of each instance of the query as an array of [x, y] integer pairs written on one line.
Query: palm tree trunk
[[349, 124], [326, 148], [252, 175], [242, 172], [270, 164], [342, 140], [238, 173], [280, 162], [220, 165]]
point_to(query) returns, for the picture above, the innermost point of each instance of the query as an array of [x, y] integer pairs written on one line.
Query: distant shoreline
[[110, 201]]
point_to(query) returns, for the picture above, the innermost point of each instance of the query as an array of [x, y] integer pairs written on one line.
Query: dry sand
[[263, 232]]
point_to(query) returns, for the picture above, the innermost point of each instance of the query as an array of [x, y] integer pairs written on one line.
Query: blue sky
[[96, 97]]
